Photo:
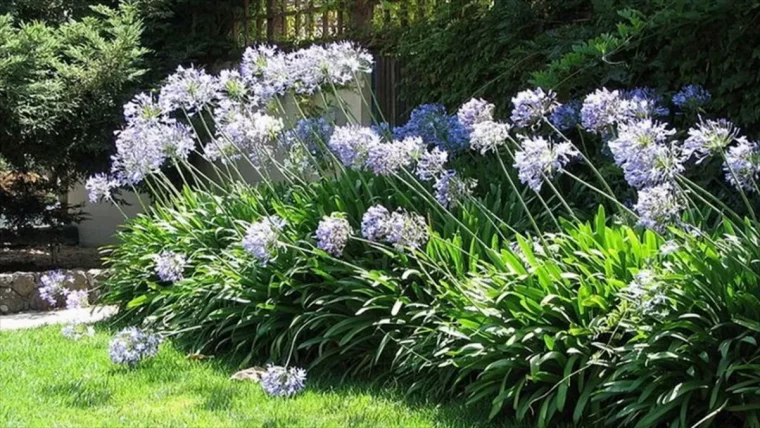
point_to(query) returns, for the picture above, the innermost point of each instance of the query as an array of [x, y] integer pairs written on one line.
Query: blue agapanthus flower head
[[375, 223], [333, 233], [710, 137], [313, 132], [540, 159], [642, 148], [437, 128], [132, 345], [54, 284], [475, 111], [170, 266], [645, 103], [407, 230], [602, 109], [262, 238], [658, 207], [431, 164], [691, 97], [279, 381], [531, 106], [387, 158], [351, 144], [450, 189], [742, 165], [188, 89], [566, 116]]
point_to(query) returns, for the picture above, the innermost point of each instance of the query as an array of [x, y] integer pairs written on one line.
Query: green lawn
[[47, 380]]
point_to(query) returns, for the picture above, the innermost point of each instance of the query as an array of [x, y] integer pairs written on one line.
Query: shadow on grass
[[445, 413], [83, 393]]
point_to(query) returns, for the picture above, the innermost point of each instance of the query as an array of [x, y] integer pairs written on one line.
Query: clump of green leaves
[[61, 89]]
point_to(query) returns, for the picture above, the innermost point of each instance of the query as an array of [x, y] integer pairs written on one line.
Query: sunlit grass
[[47, 380]]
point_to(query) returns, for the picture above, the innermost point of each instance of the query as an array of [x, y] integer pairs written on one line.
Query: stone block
[[6, 280], [24, 283], [81, 282], [11, 302]]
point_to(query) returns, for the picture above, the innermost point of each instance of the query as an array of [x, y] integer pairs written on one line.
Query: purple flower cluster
[[143, 147], [431, 164], [170, 266], [132, 345], [77, 330], [241, 133], [436, 128], [77, 299], [283, 382], [489, 136], [271, 72], [312, 133], [53, 284], [351, 144], [566, 116], [387, 158], [451, 189], [475, 111], [709, 137], [658, 207], [407, 230], [531, 107], [333, 233], [400, 228], [143, 108], [262, 238], [642, 148], [100, 187], [691, 97], [742, 165], [188, 89], [645, 293], [644, 103], [602, 109], [540, 158]]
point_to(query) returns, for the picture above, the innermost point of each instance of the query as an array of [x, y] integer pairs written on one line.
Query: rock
[[81, 281], [97, 281], [253, 374], [36, 303], [6, 280], [24, 283], [11, 302]]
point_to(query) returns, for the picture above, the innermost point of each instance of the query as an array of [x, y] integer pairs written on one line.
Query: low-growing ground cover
[[49, 380]]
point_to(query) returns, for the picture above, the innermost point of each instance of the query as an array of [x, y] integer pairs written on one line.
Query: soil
[[38, 258]]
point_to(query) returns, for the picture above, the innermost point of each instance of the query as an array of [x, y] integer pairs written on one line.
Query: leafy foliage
[[61, 89], [574, 46]]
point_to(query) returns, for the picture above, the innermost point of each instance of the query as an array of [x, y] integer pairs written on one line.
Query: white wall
[[104, 219]]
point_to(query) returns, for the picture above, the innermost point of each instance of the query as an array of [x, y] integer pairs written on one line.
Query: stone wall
[[19, 290]]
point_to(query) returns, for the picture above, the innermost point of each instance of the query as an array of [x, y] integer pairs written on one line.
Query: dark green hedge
[[573, 46]]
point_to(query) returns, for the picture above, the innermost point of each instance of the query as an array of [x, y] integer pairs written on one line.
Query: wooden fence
[[295, 21]]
